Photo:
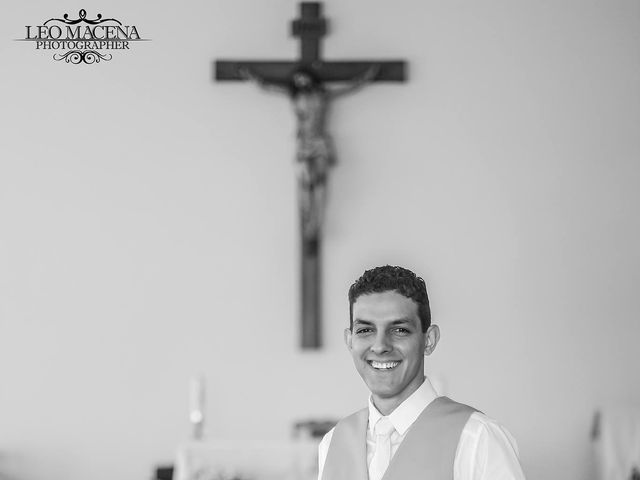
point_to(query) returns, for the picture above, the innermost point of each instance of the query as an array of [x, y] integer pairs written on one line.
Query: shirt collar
[[407, 412]]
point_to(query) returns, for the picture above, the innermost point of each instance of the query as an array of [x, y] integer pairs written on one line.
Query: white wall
[[147, 224]]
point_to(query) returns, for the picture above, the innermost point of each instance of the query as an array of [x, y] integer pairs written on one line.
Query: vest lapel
[[429, 446], [347, 455]]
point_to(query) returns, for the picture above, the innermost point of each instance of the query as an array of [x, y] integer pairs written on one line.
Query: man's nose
[[381, 343]]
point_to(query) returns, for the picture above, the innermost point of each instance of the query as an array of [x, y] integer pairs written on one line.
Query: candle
[[197, 391]]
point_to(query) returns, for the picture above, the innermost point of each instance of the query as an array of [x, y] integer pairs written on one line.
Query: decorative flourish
[[82, 17], [79, 56]]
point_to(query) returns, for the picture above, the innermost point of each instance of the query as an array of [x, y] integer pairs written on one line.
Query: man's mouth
[[383, 365]]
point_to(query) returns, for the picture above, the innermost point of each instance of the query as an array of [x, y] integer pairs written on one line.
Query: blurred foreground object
[[616, 441]]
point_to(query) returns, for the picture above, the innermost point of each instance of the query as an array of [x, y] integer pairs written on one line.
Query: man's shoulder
[[352, 418], [326, 440], [478, 423], [499, 448], [482, 425], [349, 421], [363, 412], [447, 405]]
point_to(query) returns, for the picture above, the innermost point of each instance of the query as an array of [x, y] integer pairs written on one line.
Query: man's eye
[[401, 331], [361, 331]]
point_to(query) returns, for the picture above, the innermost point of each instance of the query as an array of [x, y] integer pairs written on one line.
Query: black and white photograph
[[320, 240]]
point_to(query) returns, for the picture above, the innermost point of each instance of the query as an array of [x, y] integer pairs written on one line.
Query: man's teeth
[[383, 365]]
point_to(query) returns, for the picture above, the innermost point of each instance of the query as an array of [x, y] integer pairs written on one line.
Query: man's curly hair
[[398, 279]]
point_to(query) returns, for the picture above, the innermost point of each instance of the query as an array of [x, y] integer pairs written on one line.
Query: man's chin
[[381, 390]]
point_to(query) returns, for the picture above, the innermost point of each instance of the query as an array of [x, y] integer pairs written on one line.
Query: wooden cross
[[305, 82]]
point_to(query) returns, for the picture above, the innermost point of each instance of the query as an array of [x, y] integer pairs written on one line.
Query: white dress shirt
[[486, 450]]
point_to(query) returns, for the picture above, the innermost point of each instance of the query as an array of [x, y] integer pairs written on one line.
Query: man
[[408, 431]]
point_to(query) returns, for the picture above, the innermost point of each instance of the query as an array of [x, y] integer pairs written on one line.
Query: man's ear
[[432, 336], [347, 337]]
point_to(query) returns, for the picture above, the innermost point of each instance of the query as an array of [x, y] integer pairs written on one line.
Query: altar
[[243, 460]]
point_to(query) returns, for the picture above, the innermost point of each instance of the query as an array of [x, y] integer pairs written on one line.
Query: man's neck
[[387, 405]]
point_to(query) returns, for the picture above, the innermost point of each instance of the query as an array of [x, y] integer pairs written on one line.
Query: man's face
[[388, 346]]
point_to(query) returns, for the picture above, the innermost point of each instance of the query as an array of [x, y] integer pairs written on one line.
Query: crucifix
[[305, 82]]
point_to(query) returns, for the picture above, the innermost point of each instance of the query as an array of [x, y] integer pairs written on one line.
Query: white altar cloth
[[239, 460]]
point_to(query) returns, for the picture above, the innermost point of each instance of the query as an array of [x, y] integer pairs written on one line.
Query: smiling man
[[408, 431]]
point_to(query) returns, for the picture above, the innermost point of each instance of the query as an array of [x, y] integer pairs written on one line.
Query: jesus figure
[[314, 149]]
